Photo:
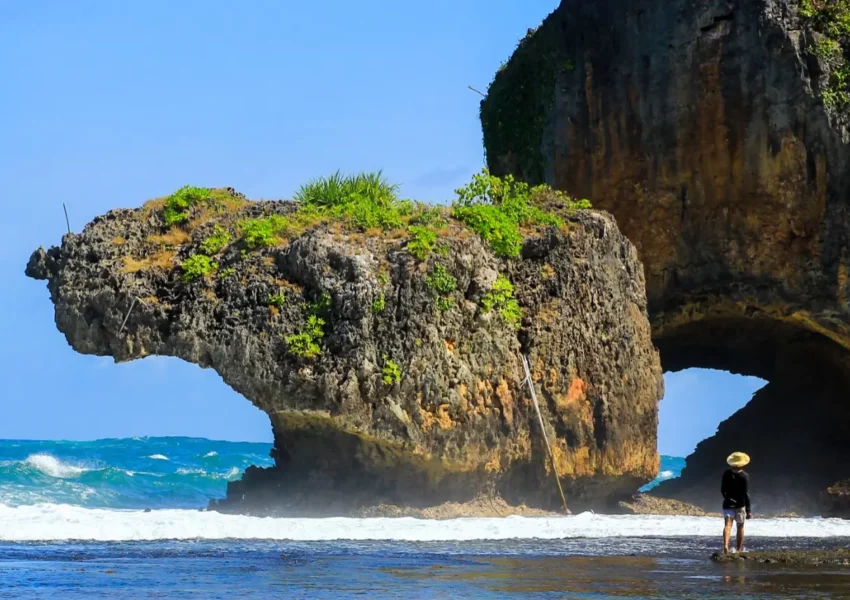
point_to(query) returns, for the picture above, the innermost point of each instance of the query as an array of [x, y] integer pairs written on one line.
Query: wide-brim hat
[[738, 459]]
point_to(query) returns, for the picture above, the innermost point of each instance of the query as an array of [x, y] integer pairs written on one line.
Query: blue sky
[[105, 104]]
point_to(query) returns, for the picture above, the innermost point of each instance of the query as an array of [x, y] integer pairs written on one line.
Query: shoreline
[[641, 504], [480, 507], [623, 533]]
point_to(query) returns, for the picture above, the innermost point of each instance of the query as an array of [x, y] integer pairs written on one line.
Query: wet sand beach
[[656, 568]]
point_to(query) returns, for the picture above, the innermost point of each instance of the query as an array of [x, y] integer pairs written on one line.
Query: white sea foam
[[158, 457], [191, 472], [665, 475], [52, 522], [211, 454], [232, 473], [53, 467]]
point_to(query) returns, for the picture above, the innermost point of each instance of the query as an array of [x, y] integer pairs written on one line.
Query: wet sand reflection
[[636, 577]]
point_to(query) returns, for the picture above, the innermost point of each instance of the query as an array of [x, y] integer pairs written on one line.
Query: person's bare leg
[[727, 533], [740, 533]]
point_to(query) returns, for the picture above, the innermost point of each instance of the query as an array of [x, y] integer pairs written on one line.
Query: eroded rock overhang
[[449, 421]]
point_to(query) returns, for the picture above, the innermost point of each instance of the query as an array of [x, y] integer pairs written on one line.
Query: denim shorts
[[739, 514]]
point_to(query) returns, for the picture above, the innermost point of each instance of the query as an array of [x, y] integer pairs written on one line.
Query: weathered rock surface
[[701, 127], [486, 507], [647, 504], [457, 425]]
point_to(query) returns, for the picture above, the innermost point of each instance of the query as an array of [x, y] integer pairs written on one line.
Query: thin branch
[[67, 222], [483, 95]]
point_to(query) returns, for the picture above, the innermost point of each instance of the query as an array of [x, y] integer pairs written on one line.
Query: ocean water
[[140, 473], [671, 467], [120, 519]]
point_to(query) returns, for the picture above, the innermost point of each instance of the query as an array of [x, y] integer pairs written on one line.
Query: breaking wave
[[57, 522], [138, 473], [671, 467], [102, 490], [53, 467]]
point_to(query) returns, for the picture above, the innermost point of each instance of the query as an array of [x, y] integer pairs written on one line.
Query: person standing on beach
[[735, 488]]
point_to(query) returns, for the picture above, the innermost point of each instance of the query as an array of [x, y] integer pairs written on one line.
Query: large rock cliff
[[383, 382], [714, 131]]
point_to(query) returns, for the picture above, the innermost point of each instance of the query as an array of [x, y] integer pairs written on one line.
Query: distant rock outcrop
[[837, 499], [715, 132], [385, 377]]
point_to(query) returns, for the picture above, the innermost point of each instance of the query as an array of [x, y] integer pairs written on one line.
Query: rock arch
[[701, 127]]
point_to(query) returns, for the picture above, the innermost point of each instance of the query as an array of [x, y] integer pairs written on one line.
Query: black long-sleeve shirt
[[735, 488]]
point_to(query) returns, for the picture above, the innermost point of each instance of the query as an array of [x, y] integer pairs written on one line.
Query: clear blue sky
[[105, 104]]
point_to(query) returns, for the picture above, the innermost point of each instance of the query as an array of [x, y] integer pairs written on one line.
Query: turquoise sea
[[153, 473], [671, 467], [120, 519], [139, 473]]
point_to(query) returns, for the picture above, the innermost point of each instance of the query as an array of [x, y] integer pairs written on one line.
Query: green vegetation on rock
[[277, 299], [423, 242], [391, 373], [442, 283], [379, 304], [444, 303], [262, 232], [271, 230], [829, 16], [831, 19], [519, 100], [177, 205], [494, 227], [307, 342], [495, 208], [321, 306], [197, 265], [365, 200], [216, 242], [430, 217], [501, 298]]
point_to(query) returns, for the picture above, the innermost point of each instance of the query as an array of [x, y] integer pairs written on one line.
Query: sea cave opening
[[771, 386], [695, 402]]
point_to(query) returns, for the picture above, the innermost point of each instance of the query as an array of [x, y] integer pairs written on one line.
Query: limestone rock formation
[[406, 396], [715, 134]]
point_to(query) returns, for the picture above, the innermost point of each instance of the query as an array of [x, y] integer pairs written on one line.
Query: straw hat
[[738, 459]]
